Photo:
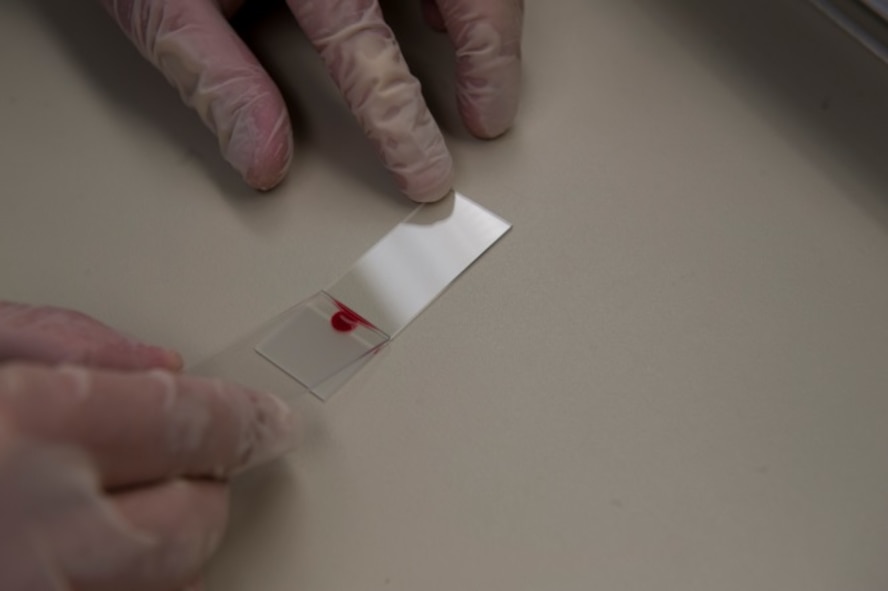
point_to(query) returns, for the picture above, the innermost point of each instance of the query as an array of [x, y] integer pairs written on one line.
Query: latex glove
[[191, 42], [114, 477]]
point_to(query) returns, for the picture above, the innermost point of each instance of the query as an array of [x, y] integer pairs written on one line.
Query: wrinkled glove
[[191, 42], [113, 467]]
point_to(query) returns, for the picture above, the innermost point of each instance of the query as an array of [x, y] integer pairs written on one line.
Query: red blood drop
[[346, 320], [342, 321]]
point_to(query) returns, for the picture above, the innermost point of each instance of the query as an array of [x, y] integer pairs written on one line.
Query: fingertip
[[271, 162], [217, 75], [488, 104], [487, 39], [432, 184], [487, 127], [274, 430], [261, 144]]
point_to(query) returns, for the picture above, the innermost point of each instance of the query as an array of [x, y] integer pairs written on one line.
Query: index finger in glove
[[216, 74], [487, 38], [55, 335], [365, 61], [147, 426]]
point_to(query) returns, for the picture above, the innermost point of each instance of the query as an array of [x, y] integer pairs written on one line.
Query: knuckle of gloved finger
[[20, 385], [18, 317], [14, 380], [17, 387], [29, 391], [233, 115], [61, 323], [52, 333]]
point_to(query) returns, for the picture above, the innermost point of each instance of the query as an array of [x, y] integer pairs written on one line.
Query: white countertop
[[671, 375]]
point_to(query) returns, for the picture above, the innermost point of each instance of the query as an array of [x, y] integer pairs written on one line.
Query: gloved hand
[[193, 45], [113, 471]]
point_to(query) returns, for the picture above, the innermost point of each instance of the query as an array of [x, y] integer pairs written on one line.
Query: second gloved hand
[[113, 467], [191, 42]]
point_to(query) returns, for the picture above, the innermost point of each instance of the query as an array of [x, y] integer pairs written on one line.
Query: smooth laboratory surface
[[670, 375]]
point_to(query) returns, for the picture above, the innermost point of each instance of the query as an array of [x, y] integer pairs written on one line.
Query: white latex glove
[[113, 475], [191, 42]]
